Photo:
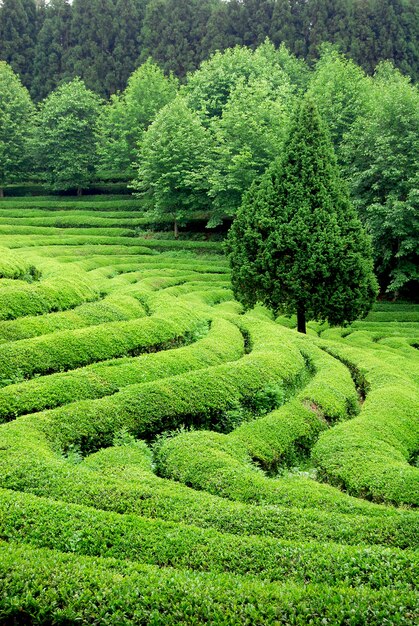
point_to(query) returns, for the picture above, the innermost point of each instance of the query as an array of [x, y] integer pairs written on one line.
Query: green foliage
[[249, 135], [52, 45], [16, 120], [18, 36], [66, 136], [339, 88], [381, 155], [297, 244], [173, 33], [172, 162], [124, 120]]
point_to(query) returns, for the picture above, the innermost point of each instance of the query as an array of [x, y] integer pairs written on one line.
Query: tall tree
[[297, 244], [339, 87], [128, 115], [17, 36], [66, 136], [16, 119], [129, 15], [52, 46], [381, 156], [92, 42], [173, 33], [172, 177], [249, 135]]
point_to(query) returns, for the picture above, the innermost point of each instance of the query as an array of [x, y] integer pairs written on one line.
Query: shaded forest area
[[103, 41]]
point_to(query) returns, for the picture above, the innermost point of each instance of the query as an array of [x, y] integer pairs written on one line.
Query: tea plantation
[[167, 459]]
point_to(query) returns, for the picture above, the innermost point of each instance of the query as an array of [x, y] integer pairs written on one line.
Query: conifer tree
[[173, 33], [17, 36], [92, 41], [51, 48], [129, 15], [297, 244]]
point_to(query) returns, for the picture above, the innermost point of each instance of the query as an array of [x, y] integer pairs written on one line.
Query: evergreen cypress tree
[[297, 244]]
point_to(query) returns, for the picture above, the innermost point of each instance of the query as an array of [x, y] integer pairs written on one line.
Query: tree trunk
[[1, 192], [175, 229], [79, 191], [301, 319]]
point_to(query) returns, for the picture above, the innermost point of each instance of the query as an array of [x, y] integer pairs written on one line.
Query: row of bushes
[[113, 308], [221, 464], [68, 349], [39, 231], [27, 463], [142, 245], [56, 293], [369, 456], [14, 267], [71, 203], [85, 220], [48, 587], [82, 530], [224, 342]]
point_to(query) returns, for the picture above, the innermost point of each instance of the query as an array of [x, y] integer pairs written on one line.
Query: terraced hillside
[[166, 458]]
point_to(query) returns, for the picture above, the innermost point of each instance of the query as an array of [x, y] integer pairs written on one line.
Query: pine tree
[[51, 47], [17, 36], [129, 15], [92, 42], [297, 244]]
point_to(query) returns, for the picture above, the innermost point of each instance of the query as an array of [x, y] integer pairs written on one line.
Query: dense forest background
[[103, 41]]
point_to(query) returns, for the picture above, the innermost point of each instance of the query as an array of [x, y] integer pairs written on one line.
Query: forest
[[193, 148], [104, 41]]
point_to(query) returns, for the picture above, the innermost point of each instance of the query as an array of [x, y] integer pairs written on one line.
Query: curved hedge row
[[43, 523], [369, 456], [112, 308], [224, 342], [13, 266], [119, 484], [68, 349], [55, 293]]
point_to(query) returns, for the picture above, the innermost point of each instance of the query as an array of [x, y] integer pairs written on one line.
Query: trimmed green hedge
[[223, 343], [13, 266], [369, 456], [41, 587], [27, 463], [67, 349], [112, 308], [82, 530], [56, 293]]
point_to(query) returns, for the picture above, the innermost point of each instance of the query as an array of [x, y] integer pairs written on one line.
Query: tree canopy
[[66, 136], [297, 244], [16, 121], [172, 163]]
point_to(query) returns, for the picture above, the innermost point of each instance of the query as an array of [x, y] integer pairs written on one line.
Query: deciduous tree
[[172, 177], [66, 136], [16, 121]]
